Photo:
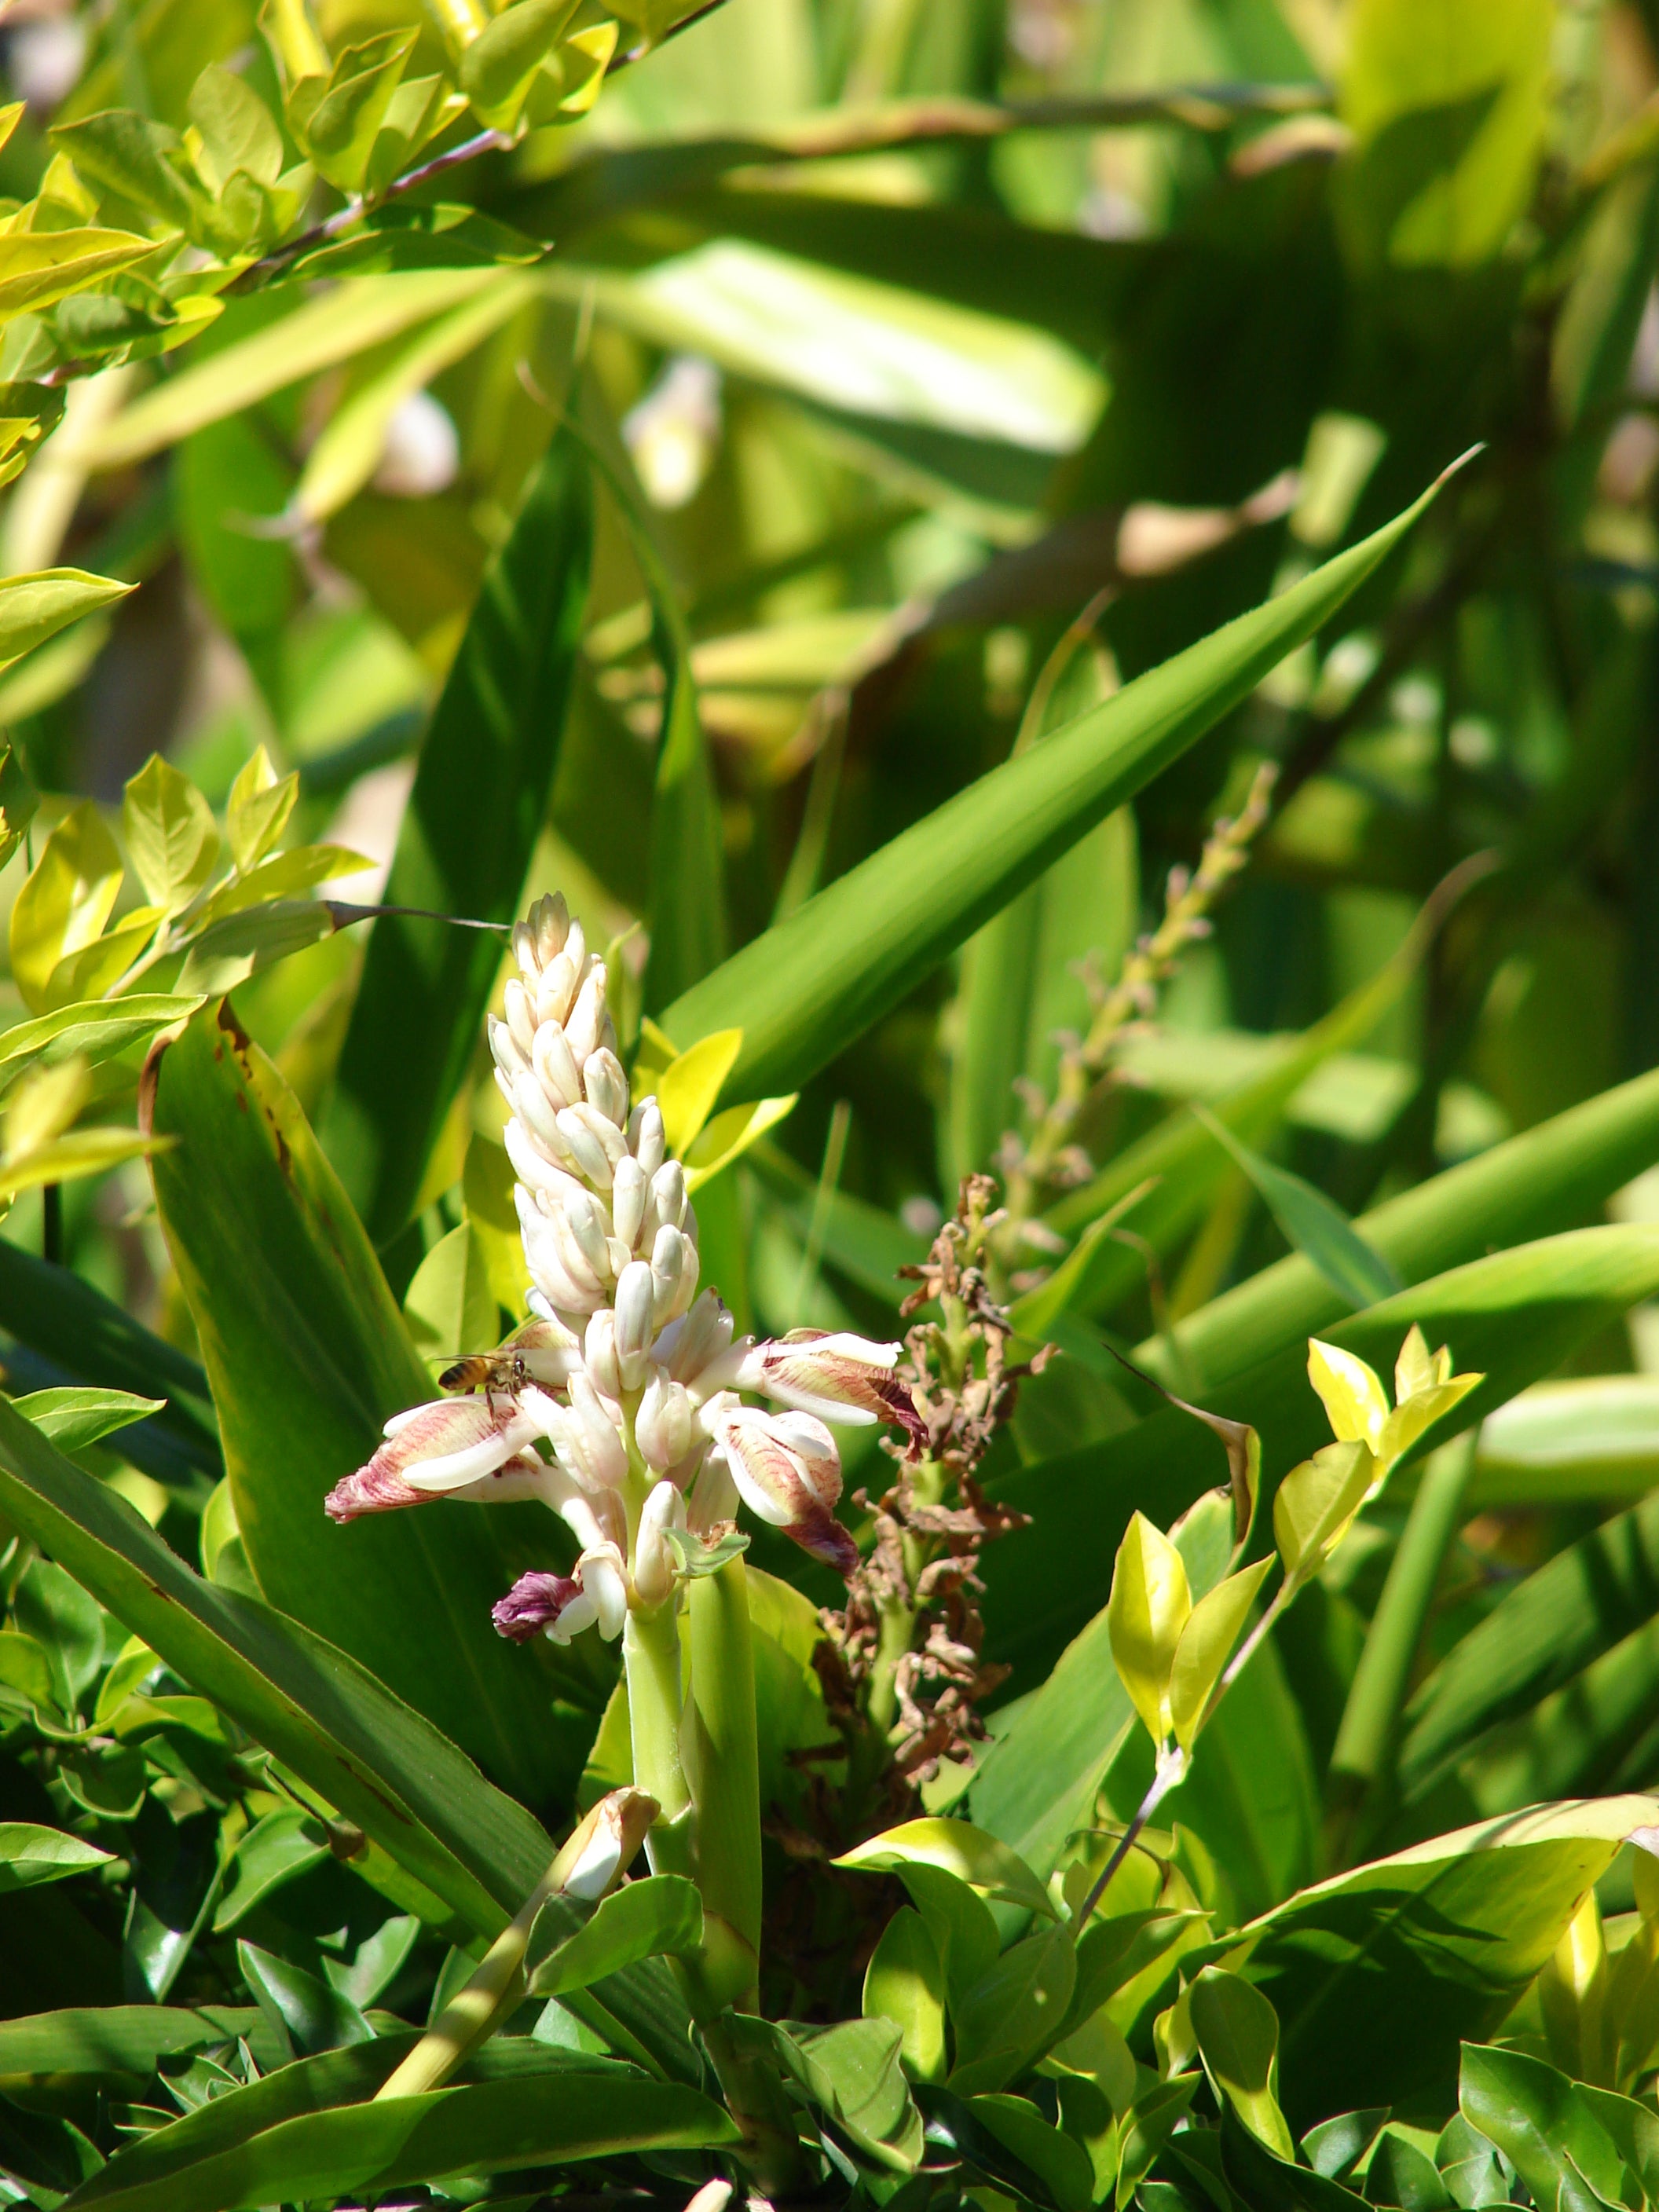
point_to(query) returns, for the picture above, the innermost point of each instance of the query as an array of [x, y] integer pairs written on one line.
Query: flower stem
[[1171, 1769], [651, 1657], [722, 1754]]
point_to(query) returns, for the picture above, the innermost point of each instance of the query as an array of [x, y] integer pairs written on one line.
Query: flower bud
[[554, 1606], [601, 1848], [605, 1578], [557, 989], [665, 1207], [547, 1268], [628, 1190], [674, 1264], [520, 1013], [607, 1086], [655, 1564], [597, 1435], [586, 1017], [663, 1426], [580, 1139], [636, 1298], [550, 918], [646, 1136], [524, 951], [586, 1221], [531, 1164], [575, 950], [698, 1350], [555, 1070], [599, 1352], [535, 1111], [508, 1055]]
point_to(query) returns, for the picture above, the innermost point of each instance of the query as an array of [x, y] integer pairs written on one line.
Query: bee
[[497, 1373]]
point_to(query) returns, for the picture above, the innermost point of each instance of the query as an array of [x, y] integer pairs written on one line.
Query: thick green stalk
[[1363, 1758], [725, 1767], [651, 1657]]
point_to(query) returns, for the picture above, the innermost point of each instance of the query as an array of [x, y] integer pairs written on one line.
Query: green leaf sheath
[[479, 800]]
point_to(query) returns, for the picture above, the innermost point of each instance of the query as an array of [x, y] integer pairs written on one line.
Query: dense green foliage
[[1067, 590]]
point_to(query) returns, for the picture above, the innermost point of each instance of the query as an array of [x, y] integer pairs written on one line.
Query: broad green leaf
[[283, 876], [1313, 1223], [687, 1085], [1013, 2012], [1147, 2127], [1376, 1975], [350, 447], [276, 1850], [99, 967], [972, 1856], [63, 905], [313, 2016], [258, 807], [92, 1033], [171, 839], [1147, 1610], [73, 1419], [1401, 2173], [962, 1925], [238, 129], [480, 796], [31, 1855], [366, 1753], [36, 607], [339, 132], [363, 311], [39, 267], [662, 1913], [121, 2044], [806, 988], [904, 1982], [1543, 2124], [729, 1136], [1205, 1644], [449, 1305], [365, 2149], [496, 70], [1590, 1437], [1061, 2163], [308, 1357], [1238, 2033]]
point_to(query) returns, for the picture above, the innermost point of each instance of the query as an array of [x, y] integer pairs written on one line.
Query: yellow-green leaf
[[172, 838], [63, 906], [1352, 1393], [688, 1086], [1205, 1643], [1237, 2032], [496, 70], [969, 1853], [259, 808], [81, 1152], [1149, 1606], [730, 1135], [97, 967], [284, 876], [1316, 1502], [36, 607], [904, 1982], [39, 267]]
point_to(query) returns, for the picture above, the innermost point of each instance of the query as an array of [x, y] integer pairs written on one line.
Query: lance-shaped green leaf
[[172, 838], [1314, 1505], [478, 803], [30, 1855], [66, 901], [309, 1357], [1377, 1974], [497, 69], [36, 607], [1205, 1644], [347, 1737], [662, 1914], [1012, 2014], [94, 1032], [74, 1418], [122, 2044], [1312, 1223], [904, 1982], [39, 267], [1238, 2034], [805, 989], [365, 2149], [954, 1847]]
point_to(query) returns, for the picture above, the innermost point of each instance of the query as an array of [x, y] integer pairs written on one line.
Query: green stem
[[1363, 1758], [651, 1657], [724, 1758]]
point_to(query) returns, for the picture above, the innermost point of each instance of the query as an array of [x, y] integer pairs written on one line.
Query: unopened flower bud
[[531, 1164], [665, 1207], [557, 990], [546, 1263], [555, 1070], [636, 1289], [628, 1190], [663, 1426], [674, 1264], [605, 1577], [655, 1562], [607, 1086], [537, 1111], [698, 1351], [525, 952], [508, 1055], [602, 1847], [520, 1014], [646, 1136], [554, 1606], [550, 920], [581, 1141], [599, 1352], [586, 1019], [598, 1434], [587, 1225]]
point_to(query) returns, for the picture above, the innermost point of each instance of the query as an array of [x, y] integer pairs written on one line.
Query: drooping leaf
[[30, 1855]]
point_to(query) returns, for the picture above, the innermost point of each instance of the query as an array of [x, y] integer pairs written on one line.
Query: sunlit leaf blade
[[309, 1356], [807, 987], [366, 1753], [478, 803]]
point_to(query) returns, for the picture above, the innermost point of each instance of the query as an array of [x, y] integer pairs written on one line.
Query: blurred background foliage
[[942, 369]]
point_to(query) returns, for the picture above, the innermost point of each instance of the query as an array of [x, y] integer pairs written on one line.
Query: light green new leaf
[[1238, 2034], [349, 1739], [31, 1855], [1312, 1223], [1377, 1974], [339, 129], [904, 1982], [75, 1416], [449, 1305], [91, 1032], [36, 607], [257, 810], [173, 840], [729, 1136], [806, 988], [41, 267], [687, 1084], [1146, 1612], [1205, 1644], [239, 945], [1314, 1504], [68, 897], [497, 69], [954, 1847], [281, 877], [238, 131], [661, 1914]]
